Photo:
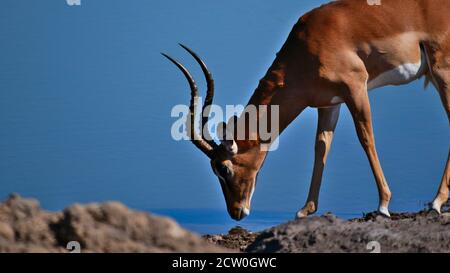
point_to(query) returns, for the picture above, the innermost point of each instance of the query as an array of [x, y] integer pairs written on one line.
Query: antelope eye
[[223, 170]]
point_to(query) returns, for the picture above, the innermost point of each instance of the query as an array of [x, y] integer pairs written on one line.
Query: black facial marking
[[221, 170]]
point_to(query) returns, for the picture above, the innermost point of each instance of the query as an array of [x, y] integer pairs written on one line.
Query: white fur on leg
[[384, 211], [301, 214], [436, 206]]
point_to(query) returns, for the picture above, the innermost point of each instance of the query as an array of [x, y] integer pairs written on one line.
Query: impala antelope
[[334, 55]]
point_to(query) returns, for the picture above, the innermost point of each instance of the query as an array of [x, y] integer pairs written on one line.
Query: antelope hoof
[[436, 206], [309, 209], [301, 214], [384, 211]]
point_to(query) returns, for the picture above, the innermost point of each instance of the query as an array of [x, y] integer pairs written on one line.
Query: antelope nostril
[[238, 214]]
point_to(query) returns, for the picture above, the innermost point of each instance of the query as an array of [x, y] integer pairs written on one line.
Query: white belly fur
[[403, 74]]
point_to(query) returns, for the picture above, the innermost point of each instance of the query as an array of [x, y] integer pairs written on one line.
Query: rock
[[6, 231], [411, 232], [237, 238], [108, 227]]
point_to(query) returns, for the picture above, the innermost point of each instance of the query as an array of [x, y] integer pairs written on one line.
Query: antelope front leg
[[441, 74], [326, 125], [359, 106], [442, 194]]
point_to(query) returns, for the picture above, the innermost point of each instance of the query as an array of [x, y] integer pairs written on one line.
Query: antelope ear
[[226, 138]]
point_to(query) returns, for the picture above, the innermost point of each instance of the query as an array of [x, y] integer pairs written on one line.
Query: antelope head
[[235, 163]]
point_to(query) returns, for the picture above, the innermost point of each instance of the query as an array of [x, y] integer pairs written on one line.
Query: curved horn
[[209, 93], [197, 140]]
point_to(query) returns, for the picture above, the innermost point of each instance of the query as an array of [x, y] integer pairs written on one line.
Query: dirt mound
[[410, 232], [108, 227], [237, 238]]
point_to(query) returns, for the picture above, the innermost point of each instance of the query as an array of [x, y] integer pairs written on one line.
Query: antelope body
[[336, 54]]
